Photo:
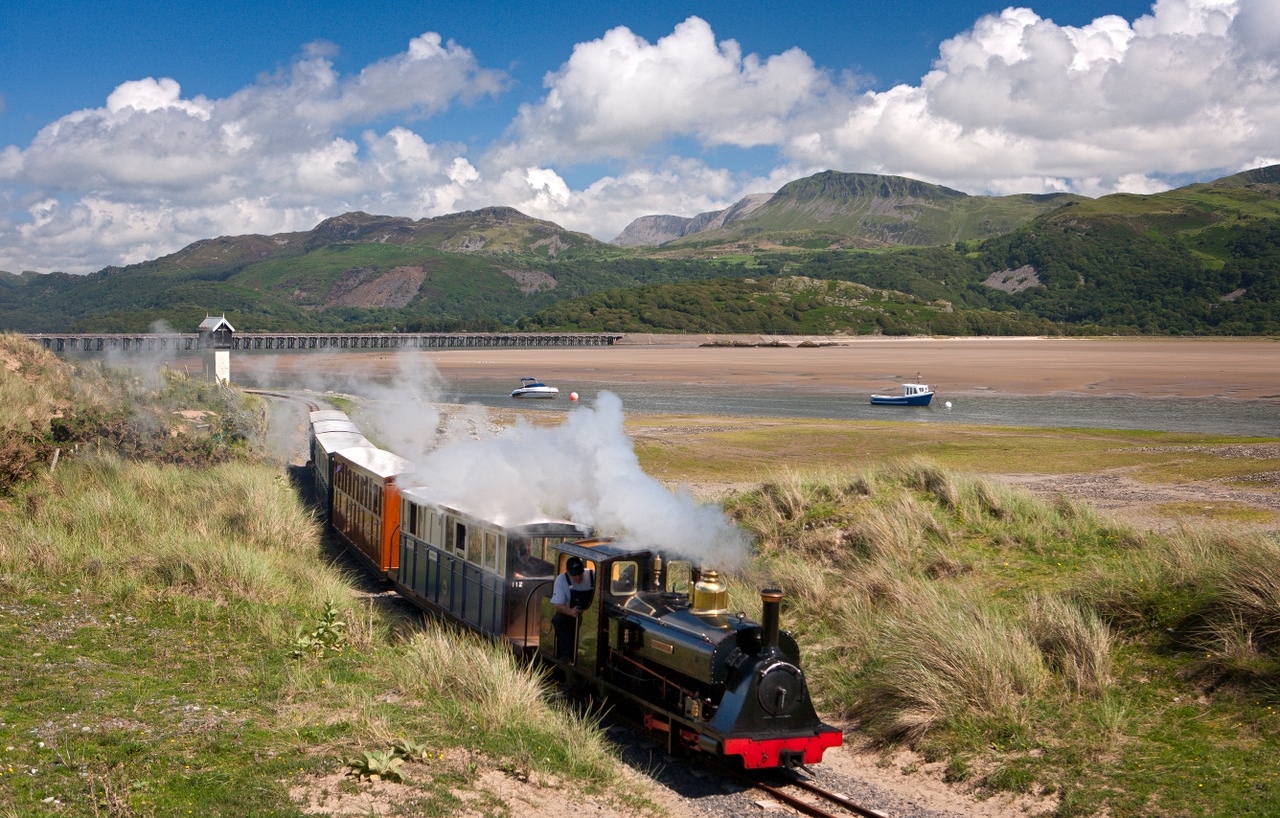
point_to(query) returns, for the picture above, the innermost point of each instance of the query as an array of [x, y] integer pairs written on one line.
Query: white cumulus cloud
[[151, 171], [625, 127], [1103, 107]]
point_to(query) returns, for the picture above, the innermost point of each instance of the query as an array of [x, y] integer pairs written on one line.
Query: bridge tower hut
[[215, 342]]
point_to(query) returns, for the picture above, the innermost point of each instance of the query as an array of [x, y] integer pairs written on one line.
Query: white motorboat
[[533, 388]]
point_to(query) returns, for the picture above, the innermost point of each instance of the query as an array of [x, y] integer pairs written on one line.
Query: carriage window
[[622, 579], [473, 545], [448, 537], [490, 550], [500, 546], [678, 575]]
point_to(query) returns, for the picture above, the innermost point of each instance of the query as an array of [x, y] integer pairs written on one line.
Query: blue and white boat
[[913, 394], [533, 388]]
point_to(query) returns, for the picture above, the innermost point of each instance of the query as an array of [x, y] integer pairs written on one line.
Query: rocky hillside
[[847, 210], [489, 231], [1200, 259], [652, 231]]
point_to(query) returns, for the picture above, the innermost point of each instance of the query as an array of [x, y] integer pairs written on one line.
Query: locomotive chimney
[[772, 599]]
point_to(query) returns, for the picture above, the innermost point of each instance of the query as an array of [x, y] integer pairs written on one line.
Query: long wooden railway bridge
[[178, 342]]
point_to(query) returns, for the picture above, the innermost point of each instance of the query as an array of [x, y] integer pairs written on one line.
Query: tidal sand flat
[[1247, 369]]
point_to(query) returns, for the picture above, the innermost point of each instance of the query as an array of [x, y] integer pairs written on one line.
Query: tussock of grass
[[486, 686], [995, 630], [115, 526], [942, 657], [1217, 590], [486, 679], [1074, 642]]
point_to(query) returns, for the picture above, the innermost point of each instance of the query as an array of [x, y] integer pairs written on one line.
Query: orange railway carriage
[[366, 504]]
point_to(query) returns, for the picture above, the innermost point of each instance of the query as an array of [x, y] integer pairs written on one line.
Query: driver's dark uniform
[[575, 596]]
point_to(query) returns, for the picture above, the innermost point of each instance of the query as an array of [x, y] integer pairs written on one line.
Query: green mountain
[[1200, 259], [1203, 259], [356, 271], [833, 210]]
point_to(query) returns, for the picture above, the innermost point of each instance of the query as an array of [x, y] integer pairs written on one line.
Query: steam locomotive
[[655, 631]]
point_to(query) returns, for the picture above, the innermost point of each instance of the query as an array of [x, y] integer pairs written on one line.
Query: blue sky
[[130, 129]]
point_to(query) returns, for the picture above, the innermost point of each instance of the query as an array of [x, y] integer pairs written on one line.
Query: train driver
[[570, 596], [529, 565]]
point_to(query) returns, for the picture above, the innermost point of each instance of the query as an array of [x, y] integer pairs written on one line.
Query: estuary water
[[1250, 418]]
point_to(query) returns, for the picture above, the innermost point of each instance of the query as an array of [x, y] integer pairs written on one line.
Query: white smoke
[[585, 469], [398, 392]]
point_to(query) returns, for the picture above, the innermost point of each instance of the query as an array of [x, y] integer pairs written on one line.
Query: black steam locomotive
[[658, 633], [654, 631]]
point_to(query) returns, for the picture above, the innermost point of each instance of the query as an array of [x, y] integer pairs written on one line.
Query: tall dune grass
[[140, 532], [888, 573], [1216, 589], [1028, 637], [943, 656]]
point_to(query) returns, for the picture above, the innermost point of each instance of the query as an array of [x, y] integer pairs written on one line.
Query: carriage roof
[[379, 462]]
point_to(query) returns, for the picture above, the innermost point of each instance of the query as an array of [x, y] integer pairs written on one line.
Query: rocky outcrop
[[652, 231], [531, 281], [367, 287], [1014, 281]]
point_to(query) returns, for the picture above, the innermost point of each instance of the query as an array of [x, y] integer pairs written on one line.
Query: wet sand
[[1149, 368]]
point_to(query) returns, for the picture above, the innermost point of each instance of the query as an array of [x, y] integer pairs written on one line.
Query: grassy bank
[[1032, 646], [743, 448], [176, 639]]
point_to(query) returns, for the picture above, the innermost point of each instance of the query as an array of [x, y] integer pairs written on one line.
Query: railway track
[[802, 794], [311, 405]]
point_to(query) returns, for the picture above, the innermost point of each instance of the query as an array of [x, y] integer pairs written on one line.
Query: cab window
[[622, 578]]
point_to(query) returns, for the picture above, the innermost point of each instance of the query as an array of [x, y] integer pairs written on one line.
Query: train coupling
[[791, 759]]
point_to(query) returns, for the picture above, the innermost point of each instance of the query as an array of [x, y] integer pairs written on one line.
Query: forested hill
[[1203, 259], [1200, 259]]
